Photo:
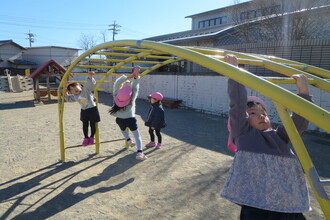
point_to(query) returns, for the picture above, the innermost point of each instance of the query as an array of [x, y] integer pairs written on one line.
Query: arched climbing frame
[[120, 56]]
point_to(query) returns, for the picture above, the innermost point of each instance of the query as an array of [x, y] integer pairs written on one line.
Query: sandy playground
[[180, 181]]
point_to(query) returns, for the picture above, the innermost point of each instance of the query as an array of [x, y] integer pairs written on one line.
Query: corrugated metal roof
[[21, 62], [3, 42]]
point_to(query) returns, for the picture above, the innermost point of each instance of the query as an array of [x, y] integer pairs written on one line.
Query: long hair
[[115, 108]]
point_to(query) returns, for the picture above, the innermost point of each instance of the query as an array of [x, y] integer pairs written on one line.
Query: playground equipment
[[15, 83], [120, 56]]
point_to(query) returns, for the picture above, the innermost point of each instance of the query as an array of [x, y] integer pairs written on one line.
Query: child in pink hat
[[156, 119], [124, 108], [266, 178]]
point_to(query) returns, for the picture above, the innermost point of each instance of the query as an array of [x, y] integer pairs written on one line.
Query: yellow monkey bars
[[116, 57]]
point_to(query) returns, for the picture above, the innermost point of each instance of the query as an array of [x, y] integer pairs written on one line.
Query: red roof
[[52, 63]]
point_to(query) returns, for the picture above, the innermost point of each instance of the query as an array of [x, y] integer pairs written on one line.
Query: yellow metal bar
[[159, 65], [86, 74], [94, 66], [121, 64], [320, 117], [213, 60], [116, 54], [101, 142], [305, 160], [60, 96], [286, 70], [97, 133], [107, 67], [117, 61], [104, 89], [206, 51], [134, 50], [96, 81], [286, 80], [240, 60], [159, 57], [305, 67]]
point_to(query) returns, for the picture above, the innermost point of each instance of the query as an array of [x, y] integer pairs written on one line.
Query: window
[[201, 24], [224, 20], [251, 14], [244, 15], [212, 22]]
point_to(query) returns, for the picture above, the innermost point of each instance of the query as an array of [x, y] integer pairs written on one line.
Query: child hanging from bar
[[89, 114], [266, 178], [124, 108]]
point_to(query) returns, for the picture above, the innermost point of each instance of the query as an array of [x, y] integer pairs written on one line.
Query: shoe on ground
[[91, 140], [159, 145], [131, 143], [141, 156], [85, 142], [151, 144]]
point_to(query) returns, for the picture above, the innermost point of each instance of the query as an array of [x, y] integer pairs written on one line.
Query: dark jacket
[[156, 116]]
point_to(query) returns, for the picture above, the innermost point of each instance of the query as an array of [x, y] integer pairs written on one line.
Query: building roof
[[59, 69], [3, 42], [47, 47], [21, 62], [207, 33], [198, 34]]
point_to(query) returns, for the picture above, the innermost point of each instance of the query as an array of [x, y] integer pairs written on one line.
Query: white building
[[11, 57], [16, 59], [40, 55]]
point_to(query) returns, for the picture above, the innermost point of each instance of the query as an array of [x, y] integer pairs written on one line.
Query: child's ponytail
[[115, 108]]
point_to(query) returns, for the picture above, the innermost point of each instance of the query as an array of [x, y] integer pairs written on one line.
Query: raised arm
[[237, 102], [135, 82], [300, 122], [90, 82]]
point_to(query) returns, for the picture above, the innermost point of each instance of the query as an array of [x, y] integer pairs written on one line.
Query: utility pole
[[114, 29], [30, 38]]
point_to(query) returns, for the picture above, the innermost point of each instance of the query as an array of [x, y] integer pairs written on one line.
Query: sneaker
[[91, 140], [141, 156], [131, 143], [85, 142], [151, 144], [159, 145]]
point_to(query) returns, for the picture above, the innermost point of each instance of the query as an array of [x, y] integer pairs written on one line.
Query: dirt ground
[[182, 180]]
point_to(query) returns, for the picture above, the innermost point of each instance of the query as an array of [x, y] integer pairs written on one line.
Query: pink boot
[[151, 144], [91, 141], [159, 145], [85, 142]]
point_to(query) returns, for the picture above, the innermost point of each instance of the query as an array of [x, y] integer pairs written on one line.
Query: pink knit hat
[[230, 143], [157, 95], [257, 100], [123, 96]]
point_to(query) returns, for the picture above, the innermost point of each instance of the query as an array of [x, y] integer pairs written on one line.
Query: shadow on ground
[[19, 190]]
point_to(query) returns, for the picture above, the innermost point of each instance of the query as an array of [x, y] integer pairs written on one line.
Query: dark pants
[[250, 213], [152, 136], [90, 117], [85, 128], [124, 123]]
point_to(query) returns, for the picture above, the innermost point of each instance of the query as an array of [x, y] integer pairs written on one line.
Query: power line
[[114, 29]]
